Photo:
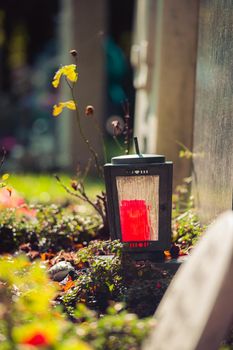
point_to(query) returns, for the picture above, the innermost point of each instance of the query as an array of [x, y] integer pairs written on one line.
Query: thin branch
[[87, 169], [82, 196], [183, 146], [117, 142], [66, 188], [127, 130], [68, 83], [85, 139], [102, 137]]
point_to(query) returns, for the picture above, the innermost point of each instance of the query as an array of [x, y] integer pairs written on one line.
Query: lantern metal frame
[[136, 165]]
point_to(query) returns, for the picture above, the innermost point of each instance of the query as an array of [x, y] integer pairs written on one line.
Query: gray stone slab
[[197, 309], [213, 121]]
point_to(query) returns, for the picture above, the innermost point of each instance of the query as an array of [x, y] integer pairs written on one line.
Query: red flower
[[158, 285], [36, 339]]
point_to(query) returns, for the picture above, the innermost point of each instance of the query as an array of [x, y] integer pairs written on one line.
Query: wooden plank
[[197, 309]]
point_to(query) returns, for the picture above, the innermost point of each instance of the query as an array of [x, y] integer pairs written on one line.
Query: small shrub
[[105, 275], [30, 318], [99, 277], [187, 229], [51, 228], [117, 330]]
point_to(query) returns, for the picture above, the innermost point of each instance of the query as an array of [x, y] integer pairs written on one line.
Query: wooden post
[[89, 24], [166, 68]]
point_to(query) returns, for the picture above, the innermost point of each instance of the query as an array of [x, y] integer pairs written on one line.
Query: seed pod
[[73, 53], [89, 110], [74, 184], [116, 127]]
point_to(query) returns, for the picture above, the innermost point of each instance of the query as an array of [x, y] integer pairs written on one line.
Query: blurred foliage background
[[30, 54]]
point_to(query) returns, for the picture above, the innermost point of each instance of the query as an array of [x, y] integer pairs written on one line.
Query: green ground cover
[[44, 188], [106, 301]]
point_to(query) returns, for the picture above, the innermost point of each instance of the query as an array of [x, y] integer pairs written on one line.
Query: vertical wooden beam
[[213, 141], [89, 27], [175, 81], [168, 115]]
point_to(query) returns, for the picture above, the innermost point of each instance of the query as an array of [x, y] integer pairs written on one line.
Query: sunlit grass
[[43, 188]]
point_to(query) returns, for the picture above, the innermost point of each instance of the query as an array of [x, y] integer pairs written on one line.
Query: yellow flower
[[5, 177], [57, 109], [69, 71]]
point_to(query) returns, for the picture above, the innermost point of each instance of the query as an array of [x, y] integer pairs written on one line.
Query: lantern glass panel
[[138, 207]]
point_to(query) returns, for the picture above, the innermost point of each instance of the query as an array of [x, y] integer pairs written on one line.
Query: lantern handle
[[137, 146]]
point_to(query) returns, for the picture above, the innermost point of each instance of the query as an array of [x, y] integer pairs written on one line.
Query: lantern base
[[157, 256]]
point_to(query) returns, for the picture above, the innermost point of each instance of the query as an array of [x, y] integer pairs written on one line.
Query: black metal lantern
[[139, 196]]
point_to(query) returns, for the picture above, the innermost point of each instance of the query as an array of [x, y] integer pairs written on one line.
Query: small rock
[[60, 270]]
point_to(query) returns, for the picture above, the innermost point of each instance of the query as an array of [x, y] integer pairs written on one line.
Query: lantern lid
[[139, 159]]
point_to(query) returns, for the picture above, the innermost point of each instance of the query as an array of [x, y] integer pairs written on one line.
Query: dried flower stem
[[82, 195], [85, 139], [117, 142], [84, 174], [101, 136], [127, 130]]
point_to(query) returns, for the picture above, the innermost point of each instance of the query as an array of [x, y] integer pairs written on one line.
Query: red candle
[[134, 217]]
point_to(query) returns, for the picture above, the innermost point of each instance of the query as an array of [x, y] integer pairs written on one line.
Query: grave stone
[[197, 310], [213, 124]]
